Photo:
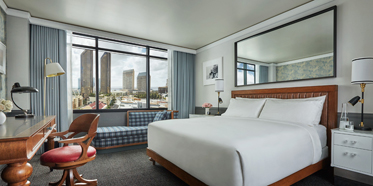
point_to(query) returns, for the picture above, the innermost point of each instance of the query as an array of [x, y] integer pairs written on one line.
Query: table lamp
[[16, 88], [219, 87], [361, 74], [51, 70]]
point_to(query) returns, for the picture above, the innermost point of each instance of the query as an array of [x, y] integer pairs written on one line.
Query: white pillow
[[304, 111], [244, 107]]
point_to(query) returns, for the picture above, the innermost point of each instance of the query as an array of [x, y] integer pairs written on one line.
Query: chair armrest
[[173, 113], [74, 140], [59, 134]]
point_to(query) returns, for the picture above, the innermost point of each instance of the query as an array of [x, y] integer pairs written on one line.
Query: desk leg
[[51, 141], [17, 174]]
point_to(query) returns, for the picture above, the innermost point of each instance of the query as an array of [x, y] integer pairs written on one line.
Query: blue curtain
[[49, 42], [183, 91]]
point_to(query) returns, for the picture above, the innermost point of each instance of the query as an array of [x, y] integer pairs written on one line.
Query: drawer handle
[[353, 142], [345, 141], [345, 153], [353, 154]]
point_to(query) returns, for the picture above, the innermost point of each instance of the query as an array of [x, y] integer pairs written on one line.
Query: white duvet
[[235, 151]]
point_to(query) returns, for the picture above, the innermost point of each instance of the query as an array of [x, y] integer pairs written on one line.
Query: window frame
[[96, 48], [245, 71]]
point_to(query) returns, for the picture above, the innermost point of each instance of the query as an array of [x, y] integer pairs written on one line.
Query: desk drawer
[[353, 141], [352, 158]]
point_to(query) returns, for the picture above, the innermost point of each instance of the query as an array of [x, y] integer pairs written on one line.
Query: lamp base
[[24, 116], [363, 128]]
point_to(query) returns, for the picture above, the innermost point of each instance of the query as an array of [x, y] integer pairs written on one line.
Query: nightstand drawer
[[352, 158], [353, 141]]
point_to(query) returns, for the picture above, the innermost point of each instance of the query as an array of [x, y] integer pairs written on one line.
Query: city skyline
[[124, 75], [120, 62]]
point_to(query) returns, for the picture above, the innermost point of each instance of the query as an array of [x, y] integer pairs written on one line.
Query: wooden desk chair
[[70, 157]]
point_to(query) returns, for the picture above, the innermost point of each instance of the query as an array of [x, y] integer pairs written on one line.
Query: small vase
[[207, 111], [2, 118]]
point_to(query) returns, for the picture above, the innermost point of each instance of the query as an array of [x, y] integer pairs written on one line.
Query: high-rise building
[[105, 80], [79, 84], [163, 90], [129, 79], [86, 71], [141, 82]]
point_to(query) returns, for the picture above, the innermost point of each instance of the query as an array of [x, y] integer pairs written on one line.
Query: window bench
[[135, 133]]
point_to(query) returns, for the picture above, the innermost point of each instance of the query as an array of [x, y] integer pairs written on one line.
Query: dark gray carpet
[[130, 168]]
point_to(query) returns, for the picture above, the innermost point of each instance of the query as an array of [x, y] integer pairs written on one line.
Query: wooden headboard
[[329, 113]]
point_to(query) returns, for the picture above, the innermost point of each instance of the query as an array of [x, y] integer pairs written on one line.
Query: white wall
[[354, 39], [18, 58]]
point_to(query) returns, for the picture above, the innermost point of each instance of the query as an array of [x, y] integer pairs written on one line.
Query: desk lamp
[[16, 88], [361, 74]]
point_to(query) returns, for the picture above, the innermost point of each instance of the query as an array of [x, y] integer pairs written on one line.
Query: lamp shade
[[18, 89], [53, 69], [219, 85], [354, 100], [362, 70]]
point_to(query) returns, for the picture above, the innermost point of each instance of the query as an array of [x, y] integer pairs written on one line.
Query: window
[[128, 76], [245, 73]]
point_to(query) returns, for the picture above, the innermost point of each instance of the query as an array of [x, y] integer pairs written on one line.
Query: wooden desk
[[20, 139]]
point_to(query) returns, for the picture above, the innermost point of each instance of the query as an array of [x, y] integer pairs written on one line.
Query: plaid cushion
[[144, 118], [176, 114], [120, 131], [107, 142], [160, 116]]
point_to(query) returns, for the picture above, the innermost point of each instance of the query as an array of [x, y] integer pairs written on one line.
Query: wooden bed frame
[[328, 119]]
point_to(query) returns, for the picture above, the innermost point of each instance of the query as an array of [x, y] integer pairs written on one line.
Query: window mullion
[[97, 82], [148, 77]]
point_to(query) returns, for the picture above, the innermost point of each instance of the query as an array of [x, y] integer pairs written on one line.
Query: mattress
[[236, 151]]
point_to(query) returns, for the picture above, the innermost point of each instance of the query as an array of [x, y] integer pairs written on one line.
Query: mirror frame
[[333, 8]]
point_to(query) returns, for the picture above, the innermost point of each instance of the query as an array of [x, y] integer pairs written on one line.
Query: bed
[[221, 151]]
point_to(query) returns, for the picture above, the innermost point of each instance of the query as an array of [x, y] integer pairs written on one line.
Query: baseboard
[[119, 149], [340, 181]]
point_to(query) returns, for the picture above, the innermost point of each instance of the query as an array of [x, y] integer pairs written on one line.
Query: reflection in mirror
[[302, 49]]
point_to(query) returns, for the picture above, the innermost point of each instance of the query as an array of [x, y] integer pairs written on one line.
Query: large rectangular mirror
[[299, 50]]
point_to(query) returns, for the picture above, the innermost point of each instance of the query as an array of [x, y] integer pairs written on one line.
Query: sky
[[120, 62]]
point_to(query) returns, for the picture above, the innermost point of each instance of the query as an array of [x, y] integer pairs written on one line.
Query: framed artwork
[[2, 58], [212, 70]]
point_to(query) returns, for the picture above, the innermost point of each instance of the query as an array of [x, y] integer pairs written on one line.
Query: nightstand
[[352, 151], [199, 115]]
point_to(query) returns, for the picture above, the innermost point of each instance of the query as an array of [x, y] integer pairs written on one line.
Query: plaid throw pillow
[[160, 116]]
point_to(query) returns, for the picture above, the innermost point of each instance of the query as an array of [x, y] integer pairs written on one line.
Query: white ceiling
[[308, 38], [187, 23]]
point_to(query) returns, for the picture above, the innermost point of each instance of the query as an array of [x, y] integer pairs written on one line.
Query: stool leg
[[60, 182], [82, 180], [70, 178]]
